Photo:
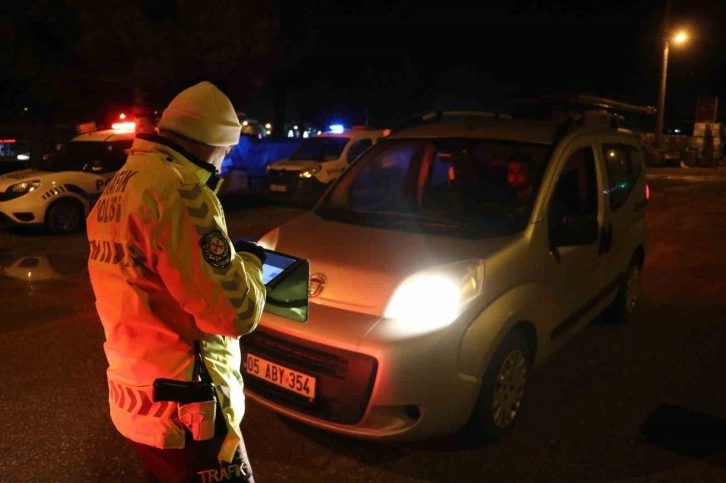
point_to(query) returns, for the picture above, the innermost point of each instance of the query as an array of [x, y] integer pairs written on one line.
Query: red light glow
[[124, 126]]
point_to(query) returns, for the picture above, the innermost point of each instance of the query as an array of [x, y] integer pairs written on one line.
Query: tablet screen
[[274, 265]]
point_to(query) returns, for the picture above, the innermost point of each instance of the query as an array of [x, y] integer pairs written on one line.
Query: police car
[[306, 173], [62, 192]]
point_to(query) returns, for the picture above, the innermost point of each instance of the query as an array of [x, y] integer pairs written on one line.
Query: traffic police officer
[[166, 278]]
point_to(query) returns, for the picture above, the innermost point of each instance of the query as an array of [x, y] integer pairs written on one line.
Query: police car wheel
[[65, 216], [502, 390]]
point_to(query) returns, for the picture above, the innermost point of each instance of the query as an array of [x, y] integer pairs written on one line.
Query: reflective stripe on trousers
[[137, 400]]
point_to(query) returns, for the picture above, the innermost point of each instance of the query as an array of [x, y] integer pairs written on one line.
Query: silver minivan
[[446, 263]]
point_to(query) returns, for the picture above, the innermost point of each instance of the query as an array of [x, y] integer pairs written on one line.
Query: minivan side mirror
[[572, 230]]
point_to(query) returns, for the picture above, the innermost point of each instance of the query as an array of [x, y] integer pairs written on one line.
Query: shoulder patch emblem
[[216, 250]]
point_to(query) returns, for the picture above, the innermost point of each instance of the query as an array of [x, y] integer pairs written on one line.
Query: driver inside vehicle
[[513, 186]]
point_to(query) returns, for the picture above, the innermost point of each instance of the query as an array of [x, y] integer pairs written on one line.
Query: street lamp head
[[680, 37]]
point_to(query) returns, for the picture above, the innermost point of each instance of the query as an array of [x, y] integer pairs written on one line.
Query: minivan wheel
[[64, 217], [622, 308], [502, 390]]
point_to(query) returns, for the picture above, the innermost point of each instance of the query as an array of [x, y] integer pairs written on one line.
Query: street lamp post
[[661, 98], [678, 38]]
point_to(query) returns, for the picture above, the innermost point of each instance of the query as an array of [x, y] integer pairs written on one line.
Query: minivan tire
[[502, 389], [621, 309]]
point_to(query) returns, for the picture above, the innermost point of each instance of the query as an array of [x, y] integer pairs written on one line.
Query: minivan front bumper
[[381, 387]]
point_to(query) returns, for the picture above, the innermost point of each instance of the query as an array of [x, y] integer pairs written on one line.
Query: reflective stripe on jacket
[[165, 274]]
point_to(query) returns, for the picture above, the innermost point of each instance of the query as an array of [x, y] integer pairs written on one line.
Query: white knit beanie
[[202, 113]]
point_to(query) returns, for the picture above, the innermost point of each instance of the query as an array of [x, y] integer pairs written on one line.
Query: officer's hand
[[249, 247]]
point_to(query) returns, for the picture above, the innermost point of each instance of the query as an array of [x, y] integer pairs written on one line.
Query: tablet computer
[[287, 279], [275, 264]]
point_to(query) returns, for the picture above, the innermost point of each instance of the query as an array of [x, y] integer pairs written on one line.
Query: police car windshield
[[80, 155], [320, 149], [466, 187]]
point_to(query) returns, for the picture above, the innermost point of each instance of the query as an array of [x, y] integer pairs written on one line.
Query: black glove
[[249, 247]]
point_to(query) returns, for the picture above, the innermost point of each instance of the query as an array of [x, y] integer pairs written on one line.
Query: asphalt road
[[645, 402]]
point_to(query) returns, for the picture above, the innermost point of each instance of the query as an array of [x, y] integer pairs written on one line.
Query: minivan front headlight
[[434, 298]]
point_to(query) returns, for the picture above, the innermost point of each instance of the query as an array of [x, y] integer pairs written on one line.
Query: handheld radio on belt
[[197, 399]]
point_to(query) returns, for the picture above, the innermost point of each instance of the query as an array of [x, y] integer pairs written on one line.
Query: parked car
[[446, 263], [14, 154], [316, 163], [61, 194]]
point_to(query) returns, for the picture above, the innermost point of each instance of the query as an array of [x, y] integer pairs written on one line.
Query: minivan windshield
[[324, 148], [459, 186]]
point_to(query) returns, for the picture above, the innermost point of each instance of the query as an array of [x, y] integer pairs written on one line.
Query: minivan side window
[[624, 165], [636, 162], [358, 148], [575, 194]]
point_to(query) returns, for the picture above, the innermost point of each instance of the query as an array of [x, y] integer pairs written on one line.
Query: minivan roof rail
[[579, 102], [438, 115]]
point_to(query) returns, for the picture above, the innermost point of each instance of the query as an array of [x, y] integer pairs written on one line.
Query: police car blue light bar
[[336, 128]]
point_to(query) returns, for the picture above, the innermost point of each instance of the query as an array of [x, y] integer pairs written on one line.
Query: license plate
[[279, 188], [282, 376]]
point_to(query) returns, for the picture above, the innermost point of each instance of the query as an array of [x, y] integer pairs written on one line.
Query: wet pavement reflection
[[41, 268]]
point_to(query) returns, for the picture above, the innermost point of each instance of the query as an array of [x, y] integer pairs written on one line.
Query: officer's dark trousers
[[196, 462]]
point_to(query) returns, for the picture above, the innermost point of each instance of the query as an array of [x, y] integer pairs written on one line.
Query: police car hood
[[293, 165], [363, 265]]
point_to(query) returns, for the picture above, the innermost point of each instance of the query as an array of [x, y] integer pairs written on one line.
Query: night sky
[[378, 60], [467, 53]]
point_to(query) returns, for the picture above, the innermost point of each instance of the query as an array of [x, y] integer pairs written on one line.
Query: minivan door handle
[[606, 239]]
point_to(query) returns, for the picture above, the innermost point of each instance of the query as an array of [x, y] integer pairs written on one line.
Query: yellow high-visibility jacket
[[165, 274]]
